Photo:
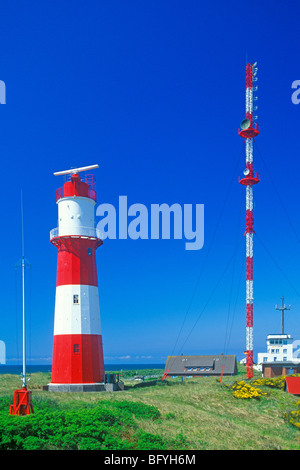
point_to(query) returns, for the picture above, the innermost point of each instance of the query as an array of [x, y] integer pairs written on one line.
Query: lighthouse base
[[96, 387]]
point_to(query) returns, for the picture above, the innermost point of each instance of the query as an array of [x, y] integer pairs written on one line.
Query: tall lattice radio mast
[[249, 130]]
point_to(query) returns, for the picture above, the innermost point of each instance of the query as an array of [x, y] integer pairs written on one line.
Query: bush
[[276, 382], [170, 416], [245, 391], [148, 441], [5, 402], [104, 425], [138, 409], [34, 443], [293, 417]]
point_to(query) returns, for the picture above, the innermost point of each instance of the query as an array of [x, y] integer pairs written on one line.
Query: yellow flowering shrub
[[293, 417], [277, 382], [243, 390]]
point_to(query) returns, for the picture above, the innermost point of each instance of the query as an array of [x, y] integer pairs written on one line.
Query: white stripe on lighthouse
[[75, 215], [77, 310]]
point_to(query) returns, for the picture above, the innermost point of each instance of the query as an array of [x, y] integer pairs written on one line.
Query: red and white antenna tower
[[249, 130]]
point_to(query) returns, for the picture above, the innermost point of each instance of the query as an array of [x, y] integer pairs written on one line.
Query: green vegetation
[[197, 413], [127, 374]]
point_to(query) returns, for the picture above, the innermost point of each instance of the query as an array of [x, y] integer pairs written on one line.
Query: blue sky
[[154, 93]]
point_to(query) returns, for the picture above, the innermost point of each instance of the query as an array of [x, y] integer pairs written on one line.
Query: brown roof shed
[[183, 366]]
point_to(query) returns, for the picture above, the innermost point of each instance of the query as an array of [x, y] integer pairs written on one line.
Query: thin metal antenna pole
[[282, 308], [23, 296], [22, 398]]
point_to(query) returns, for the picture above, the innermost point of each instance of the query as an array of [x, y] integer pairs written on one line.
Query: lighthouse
[[77, 363]]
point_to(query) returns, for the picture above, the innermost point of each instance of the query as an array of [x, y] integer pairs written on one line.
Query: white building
[[2, 353], [279, 349]]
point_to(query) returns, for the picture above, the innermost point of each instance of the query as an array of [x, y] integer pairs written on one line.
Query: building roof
[[279, 335], [292, 385], [210, 365]]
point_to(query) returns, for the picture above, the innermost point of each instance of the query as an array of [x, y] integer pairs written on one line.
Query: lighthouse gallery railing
[[76, 231]]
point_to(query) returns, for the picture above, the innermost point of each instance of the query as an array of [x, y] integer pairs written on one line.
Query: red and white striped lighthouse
[[77, 346]]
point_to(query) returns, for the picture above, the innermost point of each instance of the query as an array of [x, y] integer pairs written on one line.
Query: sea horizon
[[33, 368]]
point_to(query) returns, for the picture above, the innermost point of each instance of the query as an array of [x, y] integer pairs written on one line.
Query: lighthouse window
[[76, 348], [76, 299], [89, 251]]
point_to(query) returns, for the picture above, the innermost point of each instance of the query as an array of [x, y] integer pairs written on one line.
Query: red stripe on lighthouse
[[77, 359], [76, 261]]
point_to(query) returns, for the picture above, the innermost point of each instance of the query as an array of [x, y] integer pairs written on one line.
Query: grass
[[194, 414]]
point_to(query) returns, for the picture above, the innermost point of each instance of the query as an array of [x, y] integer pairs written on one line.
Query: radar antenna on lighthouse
[[76, 170], [249, 130]]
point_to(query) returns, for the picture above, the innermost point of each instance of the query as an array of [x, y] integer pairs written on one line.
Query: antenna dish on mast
[[76, 170], [245, 124]]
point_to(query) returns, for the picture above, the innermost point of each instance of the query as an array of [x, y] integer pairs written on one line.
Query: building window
[[284, 358], [285, 351], [265, 359], [76, 299], [76, 348]]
